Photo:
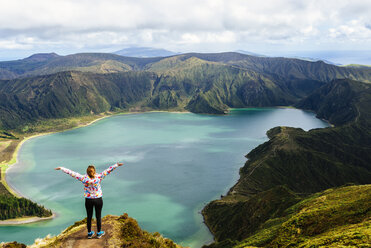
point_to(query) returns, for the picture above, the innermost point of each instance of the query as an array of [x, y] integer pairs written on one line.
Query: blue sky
[[265, 26]]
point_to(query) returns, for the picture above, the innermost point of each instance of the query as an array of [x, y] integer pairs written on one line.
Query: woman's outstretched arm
[[71, 173], [109, 170]]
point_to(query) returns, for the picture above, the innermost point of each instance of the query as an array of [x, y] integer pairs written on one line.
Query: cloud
[[182, 24]]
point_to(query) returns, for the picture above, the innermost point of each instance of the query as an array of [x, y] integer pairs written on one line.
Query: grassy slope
[[206, 83], [192, 84], [201, 83], [69, 94], [122, 231], [333, 218], [295, 163]]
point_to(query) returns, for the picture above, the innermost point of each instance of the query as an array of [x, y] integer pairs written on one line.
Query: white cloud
[[182, 24]]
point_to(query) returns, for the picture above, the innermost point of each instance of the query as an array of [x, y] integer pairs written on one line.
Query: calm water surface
[[174, 165]]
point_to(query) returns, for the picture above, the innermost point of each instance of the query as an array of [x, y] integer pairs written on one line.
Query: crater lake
[[174, 164]]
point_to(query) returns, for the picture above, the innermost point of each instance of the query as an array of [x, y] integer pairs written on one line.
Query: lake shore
[[15, 159], [13, 190], [4, 166], [25, 220]]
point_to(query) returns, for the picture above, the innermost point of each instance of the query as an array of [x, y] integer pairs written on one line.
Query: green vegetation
[[295, 164], [48, 86], [121, 231], [7, 135], [12, 207], [333, 218], [49, 92], [13, 245], [23, 102]]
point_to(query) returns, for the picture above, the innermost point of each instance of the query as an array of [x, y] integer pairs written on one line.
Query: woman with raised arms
[[92, 193]]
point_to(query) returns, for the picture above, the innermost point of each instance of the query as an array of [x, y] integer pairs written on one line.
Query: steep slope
[[295, 163], [337, 217], [216, 87], [121, 231], [201, 83], [192, 84], [340, 102], [12, 207], [68, 94]]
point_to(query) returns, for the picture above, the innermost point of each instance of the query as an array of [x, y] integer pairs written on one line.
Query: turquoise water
[[174, 164]]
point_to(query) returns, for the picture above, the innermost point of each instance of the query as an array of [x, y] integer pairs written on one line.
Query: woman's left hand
[[58, 168], [119, 164]]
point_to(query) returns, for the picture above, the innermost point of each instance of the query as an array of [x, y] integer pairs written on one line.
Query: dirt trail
[[121, 231], [79, 239]]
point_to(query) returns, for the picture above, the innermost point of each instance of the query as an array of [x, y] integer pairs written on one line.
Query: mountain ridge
[[292, 165], [284, 67], [144, 52], [200, 83]]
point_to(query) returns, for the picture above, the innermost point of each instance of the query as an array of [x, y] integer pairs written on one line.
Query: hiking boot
[[90, 234], [100, 234]]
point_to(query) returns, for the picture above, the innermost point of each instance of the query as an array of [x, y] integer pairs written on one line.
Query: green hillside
[[66, 94], [287, 68], [47, 86], [195, 85], [121, 231], [12, 207], [337, 217], [294, 164], [282, 177]]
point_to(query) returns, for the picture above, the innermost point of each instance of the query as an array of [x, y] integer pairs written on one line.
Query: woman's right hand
[[58, 168]]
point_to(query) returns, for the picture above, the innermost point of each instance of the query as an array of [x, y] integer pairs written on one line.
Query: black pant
[[98, 204]]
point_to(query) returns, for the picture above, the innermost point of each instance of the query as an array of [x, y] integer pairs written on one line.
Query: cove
[[174, 164]]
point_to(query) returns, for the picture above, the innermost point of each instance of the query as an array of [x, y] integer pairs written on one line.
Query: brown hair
[[91, 171]]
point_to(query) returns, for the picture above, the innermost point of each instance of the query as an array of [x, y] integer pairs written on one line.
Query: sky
[[260, 26]]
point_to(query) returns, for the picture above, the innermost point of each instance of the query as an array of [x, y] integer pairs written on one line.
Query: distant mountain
[[144, 52], [250, 53], [52, 86], [39, 57], [284, 68], [86, 62], [315, 60]]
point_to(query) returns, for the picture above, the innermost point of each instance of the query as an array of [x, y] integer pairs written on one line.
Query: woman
[[92, 193]]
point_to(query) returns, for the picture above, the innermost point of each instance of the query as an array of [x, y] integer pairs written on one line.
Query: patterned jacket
[[92, 188]]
